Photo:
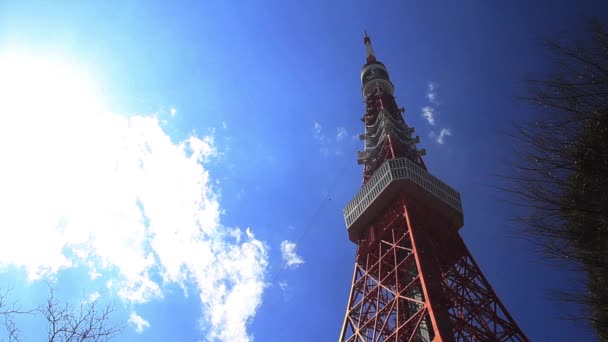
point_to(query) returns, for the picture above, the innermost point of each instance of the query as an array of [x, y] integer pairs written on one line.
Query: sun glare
[[46, 108], [43, 100], [36, 87]]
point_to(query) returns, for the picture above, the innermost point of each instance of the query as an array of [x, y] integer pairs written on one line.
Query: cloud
[[429, 114], [318, 132], [93, 274], [94, 297], [283, 285], [320, 137], [289, 255], [329, 146], [172, 111], [431, 93], [138, 322], [440, 139], [442, 134], [286, 290], [115, 195], [341, 133]]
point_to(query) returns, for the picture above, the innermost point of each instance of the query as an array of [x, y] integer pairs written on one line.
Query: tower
[[414, 278]]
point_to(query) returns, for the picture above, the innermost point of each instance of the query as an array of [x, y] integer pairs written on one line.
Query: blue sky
[[191, 160]]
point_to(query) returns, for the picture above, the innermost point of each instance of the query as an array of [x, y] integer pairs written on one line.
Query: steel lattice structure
[[414, 278]]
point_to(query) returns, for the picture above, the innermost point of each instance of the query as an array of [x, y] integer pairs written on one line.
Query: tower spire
[[369, 49]]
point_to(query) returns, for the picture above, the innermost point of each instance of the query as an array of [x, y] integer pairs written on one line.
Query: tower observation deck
[[414, 278]]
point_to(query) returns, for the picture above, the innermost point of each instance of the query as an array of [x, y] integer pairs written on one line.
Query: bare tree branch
[[8, 312], [89, 321], [561, 172]]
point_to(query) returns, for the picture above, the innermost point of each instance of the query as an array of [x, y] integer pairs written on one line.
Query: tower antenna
[[369, 49]]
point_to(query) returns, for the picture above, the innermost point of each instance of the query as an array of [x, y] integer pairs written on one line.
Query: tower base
[[408, 286]]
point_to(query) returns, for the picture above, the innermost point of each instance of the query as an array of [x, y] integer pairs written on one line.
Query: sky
[[189, 161]]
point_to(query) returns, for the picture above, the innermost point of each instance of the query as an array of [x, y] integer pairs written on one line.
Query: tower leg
[[408, 286]]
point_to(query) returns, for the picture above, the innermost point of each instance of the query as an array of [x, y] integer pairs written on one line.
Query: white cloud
[[173, 111], [289, 255], [286, 291], [283, 285], [320, 137], [93, 297], [318, 132], [93, 274], [138, 322], [114, 194], [431, 93], [341, 133], [429, 114], [329, 146], [445, 132]]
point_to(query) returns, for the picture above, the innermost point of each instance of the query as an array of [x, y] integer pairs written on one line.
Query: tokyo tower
[[414, 278]]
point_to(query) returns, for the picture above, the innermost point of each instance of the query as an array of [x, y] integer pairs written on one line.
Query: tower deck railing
[[378, 190]]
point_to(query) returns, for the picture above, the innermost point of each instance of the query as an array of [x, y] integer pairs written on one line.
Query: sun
[[48, 106], [44, 100], [35, 87]]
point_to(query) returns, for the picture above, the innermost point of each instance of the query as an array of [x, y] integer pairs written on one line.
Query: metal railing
[[394, 170]]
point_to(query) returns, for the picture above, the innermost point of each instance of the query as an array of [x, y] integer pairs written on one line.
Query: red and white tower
[[414, 278]]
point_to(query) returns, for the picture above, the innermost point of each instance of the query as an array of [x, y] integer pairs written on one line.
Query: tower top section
[[374, 73], [387, 136], [369, 49]]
